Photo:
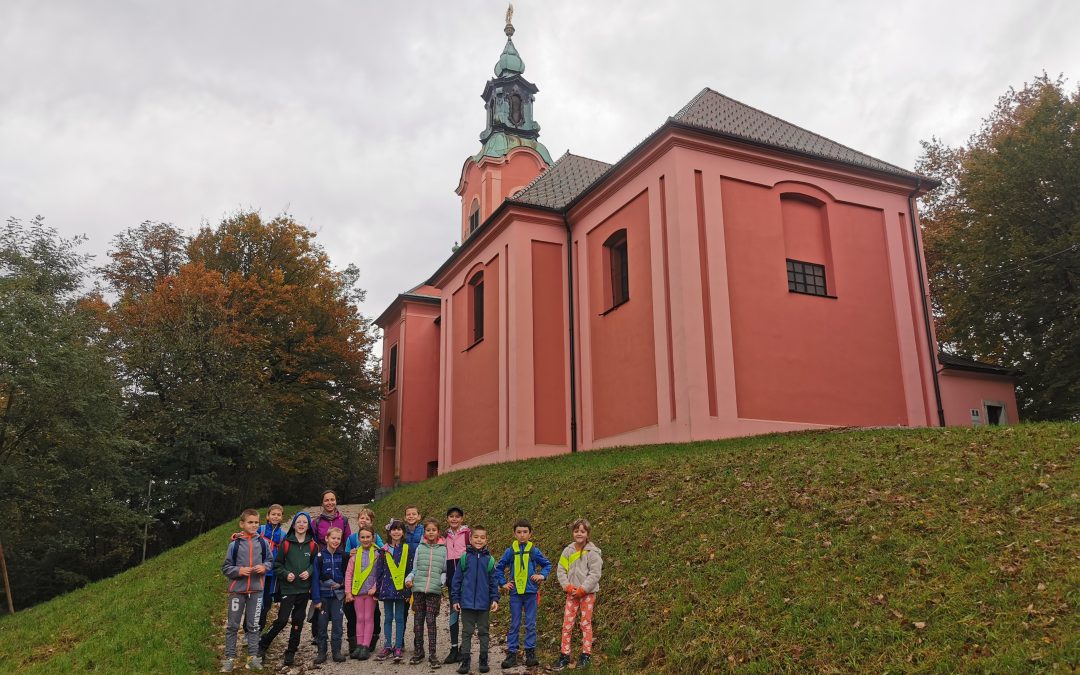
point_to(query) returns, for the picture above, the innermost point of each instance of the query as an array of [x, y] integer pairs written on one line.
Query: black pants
[[350, 623], [296, 607]]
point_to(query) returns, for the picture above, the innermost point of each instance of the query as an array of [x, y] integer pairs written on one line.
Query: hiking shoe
[[530, 658], [338, 657], [434, 662], [454, 656], [365, 653], [399, 655], [289, 659], [226, 665], [320, 658], [584, 660], [484, 663], [384, 654], [416, 658], [464, 667], [510, 661], [562, 663], [255, 663]]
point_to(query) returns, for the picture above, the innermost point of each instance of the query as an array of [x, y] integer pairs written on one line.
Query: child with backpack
[[475, 594], [457, 540], [246, 561], [365, 517], [293, 569], [272, 532], [426, 580], [328, 594], [580, 567]]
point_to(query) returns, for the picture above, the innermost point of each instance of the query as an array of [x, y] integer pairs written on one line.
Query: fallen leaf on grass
[[919, 625]]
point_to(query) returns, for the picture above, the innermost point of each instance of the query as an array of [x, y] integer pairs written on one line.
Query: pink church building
[[732, 274]]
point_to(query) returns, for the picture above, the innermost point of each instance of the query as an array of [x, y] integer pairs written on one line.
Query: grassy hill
[[880, 550]]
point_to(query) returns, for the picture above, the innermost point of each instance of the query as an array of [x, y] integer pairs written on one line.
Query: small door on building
[[995, 413]]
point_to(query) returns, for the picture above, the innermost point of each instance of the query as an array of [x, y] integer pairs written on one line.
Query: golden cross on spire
[[509, 30]]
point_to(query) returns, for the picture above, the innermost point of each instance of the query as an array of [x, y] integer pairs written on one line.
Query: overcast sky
[[356, 116]]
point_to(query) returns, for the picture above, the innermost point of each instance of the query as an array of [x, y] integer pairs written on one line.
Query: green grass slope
[[872, 550]]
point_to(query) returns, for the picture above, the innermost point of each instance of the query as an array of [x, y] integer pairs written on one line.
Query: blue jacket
[[414, 538], [387, 591], [329, 576], [274, 535], [353, 542], [476, 583], [538, 564]]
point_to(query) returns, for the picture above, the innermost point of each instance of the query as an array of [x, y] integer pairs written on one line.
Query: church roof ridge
[[712, 111]]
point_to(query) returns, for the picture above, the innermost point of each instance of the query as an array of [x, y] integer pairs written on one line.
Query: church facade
[[732, 274]]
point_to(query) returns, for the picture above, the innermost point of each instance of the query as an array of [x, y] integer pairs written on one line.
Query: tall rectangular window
[[618, 264], [477, 284], [391, 371], [804, 277], [474, 217]]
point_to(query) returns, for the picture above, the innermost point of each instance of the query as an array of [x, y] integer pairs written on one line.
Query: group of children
[[346, 575]]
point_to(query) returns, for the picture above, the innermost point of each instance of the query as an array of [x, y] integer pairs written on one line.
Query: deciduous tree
[[1002, 239]]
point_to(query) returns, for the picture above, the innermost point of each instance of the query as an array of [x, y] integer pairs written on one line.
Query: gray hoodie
[[246, 551], [581, 570]]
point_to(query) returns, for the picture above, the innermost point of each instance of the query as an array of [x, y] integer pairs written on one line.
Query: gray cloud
[[357, 116]]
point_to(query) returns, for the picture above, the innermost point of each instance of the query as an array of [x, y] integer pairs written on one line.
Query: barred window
[[804, 277]]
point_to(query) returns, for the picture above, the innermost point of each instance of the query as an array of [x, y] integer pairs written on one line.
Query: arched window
[[391, 370], [474, 216], [616, 270], [476, 306]]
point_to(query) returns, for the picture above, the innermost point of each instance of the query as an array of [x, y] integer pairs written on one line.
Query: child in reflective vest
[[361, 587], [391, 569], [521, 571], [579, 572], [364, 516]]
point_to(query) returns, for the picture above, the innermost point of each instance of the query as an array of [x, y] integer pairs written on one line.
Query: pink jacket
[[456, 542]]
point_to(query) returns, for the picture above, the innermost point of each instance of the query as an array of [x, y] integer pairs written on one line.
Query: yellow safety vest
[[521, 566], [397, 570], [565, 562], [359, 579]]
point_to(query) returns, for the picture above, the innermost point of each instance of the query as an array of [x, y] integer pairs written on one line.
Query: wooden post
[[7, 584]]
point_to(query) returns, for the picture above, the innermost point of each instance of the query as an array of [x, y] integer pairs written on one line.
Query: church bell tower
[[511, 154]]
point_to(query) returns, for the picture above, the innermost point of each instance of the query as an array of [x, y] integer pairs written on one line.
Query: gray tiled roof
[[564, 180], [712, 111]]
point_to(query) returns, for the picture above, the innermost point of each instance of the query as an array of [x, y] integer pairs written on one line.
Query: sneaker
[[530, 658], [399, 655], [583, 661], [562, 663], [255, 663], [416, 658], [384, 654], [434, 662], [510, 661], [463, 668], [454, 656], [289, 659], [226, 665]]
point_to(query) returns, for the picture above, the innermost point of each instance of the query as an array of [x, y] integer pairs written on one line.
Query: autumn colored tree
[[64, 455], [1002, 237], [249, 364]]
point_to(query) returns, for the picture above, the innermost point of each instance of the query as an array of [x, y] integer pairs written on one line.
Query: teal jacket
[[428, 568]]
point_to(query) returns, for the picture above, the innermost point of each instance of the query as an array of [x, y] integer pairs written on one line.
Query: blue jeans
[[394, 610], [526, 602], [331, 613]]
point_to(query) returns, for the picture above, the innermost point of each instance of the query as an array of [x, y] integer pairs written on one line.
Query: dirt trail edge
[[305, 657]]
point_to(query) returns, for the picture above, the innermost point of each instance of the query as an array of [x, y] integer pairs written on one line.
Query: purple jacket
[[323, 523]]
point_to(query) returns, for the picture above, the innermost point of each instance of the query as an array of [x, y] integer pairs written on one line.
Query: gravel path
[[306, 656]]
